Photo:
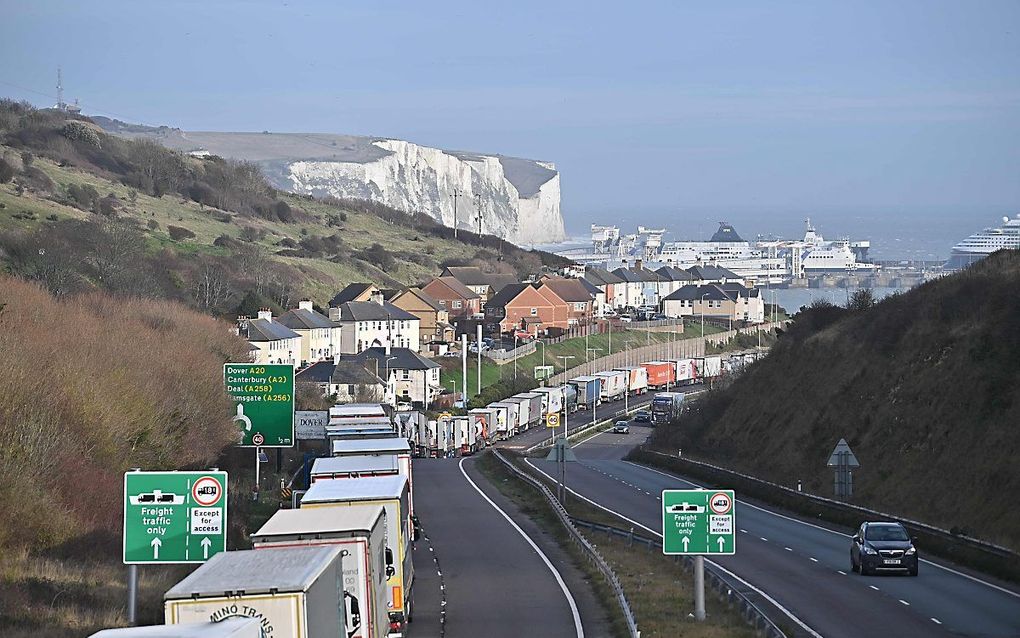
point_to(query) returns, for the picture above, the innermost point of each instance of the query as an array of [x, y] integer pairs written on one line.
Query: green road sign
[[264, 402], [698, 522], [174, 517]]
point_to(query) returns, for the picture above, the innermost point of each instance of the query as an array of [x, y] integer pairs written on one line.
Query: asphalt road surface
[[493, 581], [801, 567]]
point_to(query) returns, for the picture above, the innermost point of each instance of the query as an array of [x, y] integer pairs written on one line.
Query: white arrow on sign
[[722, 543], [155, 548], [686, 541], [206, 543]]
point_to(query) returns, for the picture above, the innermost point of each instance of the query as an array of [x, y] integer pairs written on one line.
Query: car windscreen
[[885, 533]]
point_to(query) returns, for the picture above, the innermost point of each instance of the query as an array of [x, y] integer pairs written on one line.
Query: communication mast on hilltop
[[61, 105]]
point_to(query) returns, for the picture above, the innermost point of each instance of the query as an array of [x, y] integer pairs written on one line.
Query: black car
[[642, 416], [879, 547]]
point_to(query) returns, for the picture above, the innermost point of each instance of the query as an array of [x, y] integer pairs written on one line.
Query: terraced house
[[320, 337], [367, 324]]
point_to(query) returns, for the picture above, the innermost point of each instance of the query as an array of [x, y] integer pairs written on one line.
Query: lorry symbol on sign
[[720, 503], [685, 508], [206, 491], [156, 496]]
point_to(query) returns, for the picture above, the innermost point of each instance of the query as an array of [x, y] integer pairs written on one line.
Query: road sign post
[[263, 403], [698, 522], [174, 517]]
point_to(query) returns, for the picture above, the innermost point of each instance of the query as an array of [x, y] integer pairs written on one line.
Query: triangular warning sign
[[843, 448], [561, 451]]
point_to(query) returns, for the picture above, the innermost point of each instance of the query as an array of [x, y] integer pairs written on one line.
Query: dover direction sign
[[174, 517], [698, 522], [264, 402]]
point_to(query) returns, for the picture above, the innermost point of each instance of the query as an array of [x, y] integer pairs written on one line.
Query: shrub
[[82, 196], [178, 233], [37, 180], [92, 389], [6, 172], [152, 224]]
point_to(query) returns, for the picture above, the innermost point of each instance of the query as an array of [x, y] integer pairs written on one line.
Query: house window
[[534, 312], [405, 374], [442, 302], [456, 304], [579, 306]]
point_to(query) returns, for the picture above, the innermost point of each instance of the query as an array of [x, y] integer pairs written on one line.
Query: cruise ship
[[980, 245], [775, 261]]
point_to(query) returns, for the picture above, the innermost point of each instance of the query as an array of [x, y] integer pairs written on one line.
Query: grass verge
[[660, 590]]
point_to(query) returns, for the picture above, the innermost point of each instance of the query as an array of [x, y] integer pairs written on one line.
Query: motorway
[[478, 567], [800, 570]]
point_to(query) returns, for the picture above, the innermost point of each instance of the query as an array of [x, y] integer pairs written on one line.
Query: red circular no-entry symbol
[[258, 439], [720, 503], [207, 491]]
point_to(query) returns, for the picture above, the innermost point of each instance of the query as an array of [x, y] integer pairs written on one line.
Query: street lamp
[[454, 382], [591, 360]]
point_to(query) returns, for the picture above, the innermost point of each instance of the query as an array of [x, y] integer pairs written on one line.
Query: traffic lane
[[954, 601], [496, 585], [609, 446], [576, 420], [819, 596]]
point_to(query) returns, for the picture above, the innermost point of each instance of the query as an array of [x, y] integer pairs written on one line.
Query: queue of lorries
[[340, 563]]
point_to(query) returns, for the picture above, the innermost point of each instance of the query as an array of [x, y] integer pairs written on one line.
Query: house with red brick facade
[[573, 295], [456, 298]]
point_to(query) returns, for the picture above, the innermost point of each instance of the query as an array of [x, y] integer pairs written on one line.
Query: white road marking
[[714, 564], [840, 571], [936, 621], [813, 559], [559, 579], [765, 539], [788, 549], [904, 602], [831, 531], [743, 531], [873, 587]]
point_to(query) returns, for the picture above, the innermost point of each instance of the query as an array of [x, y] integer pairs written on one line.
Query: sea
[[895, 235], [793, 299]]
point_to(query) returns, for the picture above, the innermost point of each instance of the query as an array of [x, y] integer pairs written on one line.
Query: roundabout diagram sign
[[263, 403]]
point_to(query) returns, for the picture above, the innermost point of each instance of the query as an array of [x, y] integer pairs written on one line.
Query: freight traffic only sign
[[698, 522], [174, 517], [263, 403]]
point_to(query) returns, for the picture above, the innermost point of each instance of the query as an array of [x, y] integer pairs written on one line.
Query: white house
[[376, 323], [320, 337], [732, 302], [413, 378], [348, 380], [271, 342]]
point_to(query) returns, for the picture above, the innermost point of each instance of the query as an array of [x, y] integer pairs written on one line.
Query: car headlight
[[911, 551], [868, 549]]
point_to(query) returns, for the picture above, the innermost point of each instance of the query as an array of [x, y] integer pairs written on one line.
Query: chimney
[[305, 304], [637, 264], [377, 297], [266, 313], [334, 314]]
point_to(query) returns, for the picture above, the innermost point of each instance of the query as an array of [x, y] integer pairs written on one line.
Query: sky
[[874, 118]]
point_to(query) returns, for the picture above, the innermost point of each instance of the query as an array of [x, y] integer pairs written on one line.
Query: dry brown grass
[[92, 386]]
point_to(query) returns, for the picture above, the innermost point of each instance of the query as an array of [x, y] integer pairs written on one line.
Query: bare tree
[[211, 287], [254, 262]]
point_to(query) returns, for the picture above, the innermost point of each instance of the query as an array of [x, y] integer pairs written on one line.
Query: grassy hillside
[[80, 209], [925, 386]]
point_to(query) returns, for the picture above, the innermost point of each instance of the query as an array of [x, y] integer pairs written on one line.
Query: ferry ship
[[774, 261], [981, 244]]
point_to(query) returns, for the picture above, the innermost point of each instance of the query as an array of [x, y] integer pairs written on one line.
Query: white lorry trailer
[[392, 493], [296, 592], [229, 628], [360, 533], [381, 447], [613, 386], [637, 379], [362, 465]]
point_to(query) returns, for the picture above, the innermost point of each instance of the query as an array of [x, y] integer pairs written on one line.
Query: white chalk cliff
[[519, 199]]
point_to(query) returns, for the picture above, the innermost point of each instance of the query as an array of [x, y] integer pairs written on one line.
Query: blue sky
[[661, 112]]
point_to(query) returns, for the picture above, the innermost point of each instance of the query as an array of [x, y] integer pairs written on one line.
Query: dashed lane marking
[[904, 602], [873, 587], [936, 621]]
